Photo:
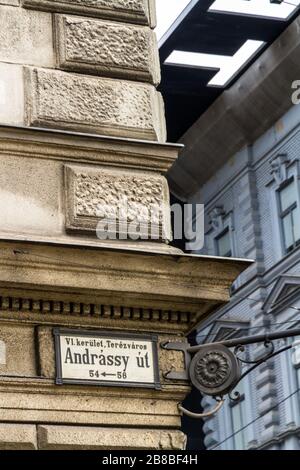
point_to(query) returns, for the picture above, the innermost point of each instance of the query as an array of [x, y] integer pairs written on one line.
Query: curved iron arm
[[268, 354], [257, 364], [231, 343], [191, 414]]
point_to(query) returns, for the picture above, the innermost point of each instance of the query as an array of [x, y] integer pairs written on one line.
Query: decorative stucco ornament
[[215, 370]]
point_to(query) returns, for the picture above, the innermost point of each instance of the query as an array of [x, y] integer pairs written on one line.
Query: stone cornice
[[179, 289], [76, 147], [46, 386], [82, 315]]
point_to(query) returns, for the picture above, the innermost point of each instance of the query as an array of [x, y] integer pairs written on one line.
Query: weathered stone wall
[[29, 397], [83, 66], [136, 11], [53, 437], [107, 48], [43, 195], [43, 287], [87, 66], [111, 39]]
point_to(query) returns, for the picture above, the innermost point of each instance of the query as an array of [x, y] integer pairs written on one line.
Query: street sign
[[106, 358]]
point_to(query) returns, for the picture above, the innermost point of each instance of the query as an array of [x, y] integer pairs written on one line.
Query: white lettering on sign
[[103, 359]]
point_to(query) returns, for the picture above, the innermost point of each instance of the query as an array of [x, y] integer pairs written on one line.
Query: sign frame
[[60, 380]]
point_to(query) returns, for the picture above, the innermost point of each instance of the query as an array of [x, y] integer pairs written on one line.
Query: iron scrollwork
[[270, 346]]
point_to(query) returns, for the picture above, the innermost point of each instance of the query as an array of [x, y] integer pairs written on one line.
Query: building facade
[[241, 160], [82, 132], [252, 209]]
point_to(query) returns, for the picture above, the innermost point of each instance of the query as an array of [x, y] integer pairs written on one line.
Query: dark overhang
[[185, 89]]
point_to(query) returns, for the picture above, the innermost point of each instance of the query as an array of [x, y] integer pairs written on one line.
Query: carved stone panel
[[121, 204], [107, 48], [91, 104], [134, 11]]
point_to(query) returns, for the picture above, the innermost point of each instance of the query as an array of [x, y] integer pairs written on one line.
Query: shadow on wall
[[193, 427], [190, 426]]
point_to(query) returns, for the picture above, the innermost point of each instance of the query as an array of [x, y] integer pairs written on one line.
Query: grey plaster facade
[[242, 202]]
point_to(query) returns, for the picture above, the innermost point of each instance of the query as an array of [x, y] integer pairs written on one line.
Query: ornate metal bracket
[[216, 371]]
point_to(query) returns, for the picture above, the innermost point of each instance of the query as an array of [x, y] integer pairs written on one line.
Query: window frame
[[282, 214], [241, 405], [291, 383], [240, 435], [225, 231], [283, 172], [297, 373]]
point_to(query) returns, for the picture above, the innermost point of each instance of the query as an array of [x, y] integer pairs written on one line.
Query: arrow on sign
[[107, 375]]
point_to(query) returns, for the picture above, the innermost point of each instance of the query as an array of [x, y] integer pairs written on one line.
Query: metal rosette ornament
[[215, 370]]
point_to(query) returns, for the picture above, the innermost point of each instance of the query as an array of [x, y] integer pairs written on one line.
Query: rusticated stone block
[[131, 199], [112, 49], [100, 105], [96, 438], [134, 11], [17, 437]]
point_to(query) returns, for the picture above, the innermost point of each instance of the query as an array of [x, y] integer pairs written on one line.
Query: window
[[298, 377], [238, 418], [221, 233], [223, 244], [289, 214], [296, 361]]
